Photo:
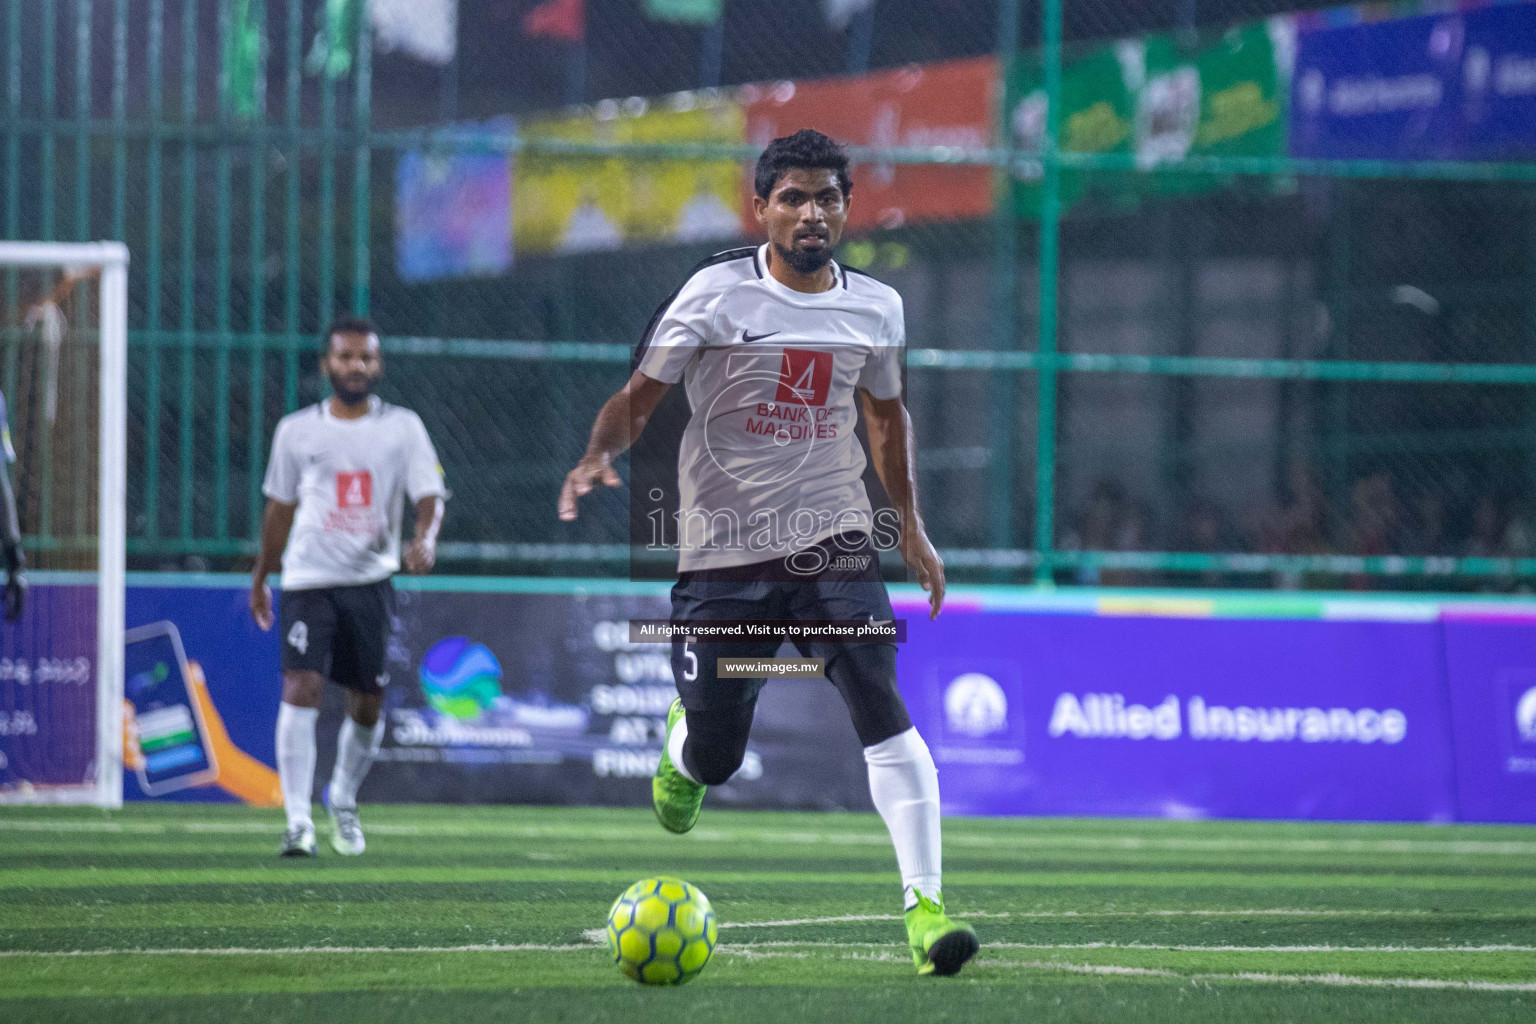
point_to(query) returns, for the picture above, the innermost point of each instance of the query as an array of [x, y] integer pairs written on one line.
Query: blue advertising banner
[[1499, 82], [491, 698], [1384, 90], [1455, 86], [1183, 718], [232, 686]]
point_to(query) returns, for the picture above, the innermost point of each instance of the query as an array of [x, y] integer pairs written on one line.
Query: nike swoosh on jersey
[[747, 337]]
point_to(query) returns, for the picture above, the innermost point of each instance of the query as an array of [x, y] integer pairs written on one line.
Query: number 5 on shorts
[[298, 637], [690, 673]]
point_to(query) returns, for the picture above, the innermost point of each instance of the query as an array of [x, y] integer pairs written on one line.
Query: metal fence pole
[[83, 120], [81, 355], [292, 82], [1003, 388], [1050, 245], [154, 259], [49, 60], [258, 284], [12, 179], [362, 116], [223, 241], [326, 271], [119, 118], [188, 262]]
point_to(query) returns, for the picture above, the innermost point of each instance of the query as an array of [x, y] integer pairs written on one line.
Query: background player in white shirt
[[336, 485], [773, 345], [13, 596]]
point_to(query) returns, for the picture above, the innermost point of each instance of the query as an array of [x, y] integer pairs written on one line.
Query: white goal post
[[103, 786]]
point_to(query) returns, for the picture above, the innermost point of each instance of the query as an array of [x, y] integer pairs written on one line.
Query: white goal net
[[63, 374]]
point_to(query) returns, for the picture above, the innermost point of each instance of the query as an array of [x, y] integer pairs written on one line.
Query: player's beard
[[804, 261], [350, 393]]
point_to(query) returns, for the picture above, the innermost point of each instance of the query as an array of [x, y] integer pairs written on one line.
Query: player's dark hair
[[345, 325], [806, 148]]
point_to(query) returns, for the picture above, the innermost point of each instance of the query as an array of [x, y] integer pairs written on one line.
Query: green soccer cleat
[[346, 828], [939, 945], [677, 799]]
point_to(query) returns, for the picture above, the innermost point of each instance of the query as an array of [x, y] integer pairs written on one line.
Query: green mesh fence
[[1214, 365]]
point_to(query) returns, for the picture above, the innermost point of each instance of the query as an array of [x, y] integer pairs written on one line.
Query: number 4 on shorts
[[298, 637]]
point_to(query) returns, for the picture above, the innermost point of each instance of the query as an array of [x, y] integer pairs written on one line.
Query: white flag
[[426, 29], [841, 12]]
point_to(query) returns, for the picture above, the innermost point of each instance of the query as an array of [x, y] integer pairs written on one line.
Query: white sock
[[356, 746], [296, 760], [675, 749], [905, 786]]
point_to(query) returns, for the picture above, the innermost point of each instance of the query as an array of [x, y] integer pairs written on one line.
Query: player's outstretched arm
[[891, 448], [276, 523], [618, 425], [421, 555]]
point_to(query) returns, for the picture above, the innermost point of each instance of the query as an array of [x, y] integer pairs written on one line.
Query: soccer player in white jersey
[[336, 486], [775, 344]]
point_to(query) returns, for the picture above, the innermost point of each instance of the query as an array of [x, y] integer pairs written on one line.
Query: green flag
[[331, 52], [692, 12], [242, 60]]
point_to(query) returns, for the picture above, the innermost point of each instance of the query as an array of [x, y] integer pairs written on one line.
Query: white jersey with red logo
[[769, 463], [350, 479]]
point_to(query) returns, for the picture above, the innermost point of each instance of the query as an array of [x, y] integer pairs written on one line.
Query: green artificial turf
[[170, 913]]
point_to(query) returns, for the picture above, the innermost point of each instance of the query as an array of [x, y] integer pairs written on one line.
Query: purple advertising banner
[[48, 692], [1183, 718], [1491, 676]]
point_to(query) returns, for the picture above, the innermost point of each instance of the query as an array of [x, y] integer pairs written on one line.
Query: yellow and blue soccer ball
[[661, 931]]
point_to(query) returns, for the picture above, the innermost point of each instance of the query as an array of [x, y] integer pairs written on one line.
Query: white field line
[[1267, 978], [1347, 980], [1513, 848], [595, 940], [1263, 949], [596, 934], [1080, 946], [1072, 914], [870, 954], [490, 947], [1152, 972]]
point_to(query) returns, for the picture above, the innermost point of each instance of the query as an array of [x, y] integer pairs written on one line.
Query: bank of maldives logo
[[804, 377], [1525, 717], [975, 705], [460, 677], [354, 489]]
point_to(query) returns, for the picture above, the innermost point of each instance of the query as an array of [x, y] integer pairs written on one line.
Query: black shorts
[[849, 588], [340, 632]]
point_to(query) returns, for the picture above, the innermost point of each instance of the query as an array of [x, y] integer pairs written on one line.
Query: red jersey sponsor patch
[[354, 489], [805, 377]]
